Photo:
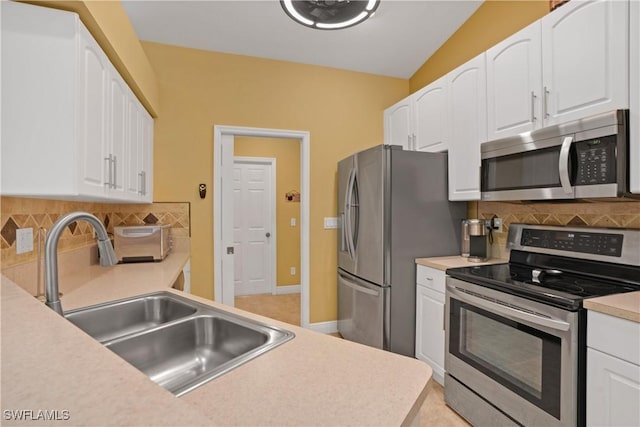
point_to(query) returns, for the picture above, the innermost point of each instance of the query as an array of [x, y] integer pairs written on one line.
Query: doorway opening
[[225, 211]]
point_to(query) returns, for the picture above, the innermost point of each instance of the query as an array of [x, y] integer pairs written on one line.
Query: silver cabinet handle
[[507, 311], [143, 183], [533, 107], [115, 171], [545, 100], [109, 183], [563, 165]]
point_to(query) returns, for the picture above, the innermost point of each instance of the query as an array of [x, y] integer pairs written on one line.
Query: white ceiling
[[395, 42]]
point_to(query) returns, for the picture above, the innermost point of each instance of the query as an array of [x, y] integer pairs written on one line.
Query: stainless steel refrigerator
[[393, 207]]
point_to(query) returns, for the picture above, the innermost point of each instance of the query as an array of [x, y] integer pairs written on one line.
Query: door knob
[[268, 234]]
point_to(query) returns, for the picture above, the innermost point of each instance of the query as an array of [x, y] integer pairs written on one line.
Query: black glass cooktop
[[546, 282]]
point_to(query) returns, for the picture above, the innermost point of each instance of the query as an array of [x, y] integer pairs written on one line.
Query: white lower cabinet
[[430, 319], [613, 371], [67, 131]]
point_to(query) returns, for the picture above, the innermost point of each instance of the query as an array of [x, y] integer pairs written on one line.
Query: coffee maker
[[475, 240]]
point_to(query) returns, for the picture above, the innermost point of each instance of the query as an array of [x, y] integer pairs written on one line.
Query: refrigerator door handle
[[347, 213], [358, 288]]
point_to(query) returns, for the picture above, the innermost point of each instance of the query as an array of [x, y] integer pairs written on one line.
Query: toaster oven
[[141, 243]]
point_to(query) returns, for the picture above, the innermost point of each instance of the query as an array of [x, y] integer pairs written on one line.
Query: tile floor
[[286, 308]]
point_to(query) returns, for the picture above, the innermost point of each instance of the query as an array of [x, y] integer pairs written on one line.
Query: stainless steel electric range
[[516, 332]]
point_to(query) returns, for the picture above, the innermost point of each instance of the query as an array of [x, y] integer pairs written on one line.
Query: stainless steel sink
[[184, 345], [109, 321]]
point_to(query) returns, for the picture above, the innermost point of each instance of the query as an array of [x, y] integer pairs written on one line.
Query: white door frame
[[270, 161], [223, 149]]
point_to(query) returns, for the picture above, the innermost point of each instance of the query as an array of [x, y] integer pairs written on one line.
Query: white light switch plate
[[330, 222], [24, 240], [293, 222]]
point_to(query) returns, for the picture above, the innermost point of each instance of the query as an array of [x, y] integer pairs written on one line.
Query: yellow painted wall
[[287, 155], [494, 21], [110, 26], [342, 110]]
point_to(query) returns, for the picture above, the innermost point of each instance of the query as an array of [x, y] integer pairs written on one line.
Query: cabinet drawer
[[431, 278], [614, 336]]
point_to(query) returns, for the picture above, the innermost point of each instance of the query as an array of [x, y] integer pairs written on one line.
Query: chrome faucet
[[107, 255]]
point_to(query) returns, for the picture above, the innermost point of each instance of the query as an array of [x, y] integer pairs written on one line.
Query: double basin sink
[[178, 343]]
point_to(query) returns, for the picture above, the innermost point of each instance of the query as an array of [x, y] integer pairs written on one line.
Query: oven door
[[518, 355]]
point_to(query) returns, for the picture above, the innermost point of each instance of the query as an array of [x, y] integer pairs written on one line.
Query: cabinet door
[[634, 101], [117, 130], [145, 154], [584, 59], [134, 128], [514, 83], [613, 391], [430, 330], [430, 117], [397, 125], [468, 115], [92, 144]]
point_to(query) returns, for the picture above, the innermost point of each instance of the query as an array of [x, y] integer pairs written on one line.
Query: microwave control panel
[[596, 161], [586, 242]]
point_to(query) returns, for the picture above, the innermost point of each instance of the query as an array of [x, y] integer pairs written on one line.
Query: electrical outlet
[[292, 271], [24, 240], [496, 224], [293, 222]]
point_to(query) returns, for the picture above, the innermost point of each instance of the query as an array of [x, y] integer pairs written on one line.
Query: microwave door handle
[[563, 165], [506, 311]]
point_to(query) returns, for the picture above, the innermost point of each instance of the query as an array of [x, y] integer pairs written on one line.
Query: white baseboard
[[288, 289], [330, 327]]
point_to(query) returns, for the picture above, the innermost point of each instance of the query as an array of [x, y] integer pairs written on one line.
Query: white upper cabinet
[[585, 59], [634, 100], [420, 121], [570, 64], [91, 105], [468, 114], [514, 84], [397, 125], [66, 118], [430, 117], [139, 168]]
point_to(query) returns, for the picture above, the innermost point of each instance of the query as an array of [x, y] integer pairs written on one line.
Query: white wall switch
[[292, 271], [293, 222], [330, 222], [24, 240]]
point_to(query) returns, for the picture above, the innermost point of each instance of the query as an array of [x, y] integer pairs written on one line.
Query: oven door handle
[[507, 311], [563, 165]]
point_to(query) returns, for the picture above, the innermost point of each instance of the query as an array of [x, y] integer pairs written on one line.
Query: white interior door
[[254, 225]]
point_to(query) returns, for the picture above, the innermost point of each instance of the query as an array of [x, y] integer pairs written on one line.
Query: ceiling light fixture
[[329, 14]]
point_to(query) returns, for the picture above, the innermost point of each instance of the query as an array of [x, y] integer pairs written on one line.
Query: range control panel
[[608, 244]]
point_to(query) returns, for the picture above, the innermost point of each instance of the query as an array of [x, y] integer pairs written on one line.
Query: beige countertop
[[454, 261], [314, 379], [625, 306]]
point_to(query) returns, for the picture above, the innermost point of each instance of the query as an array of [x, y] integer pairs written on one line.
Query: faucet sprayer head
[[107, 254]]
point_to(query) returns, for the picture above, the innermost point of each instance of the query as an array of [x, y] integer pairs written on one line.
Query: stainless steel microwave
[[584, 158]]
